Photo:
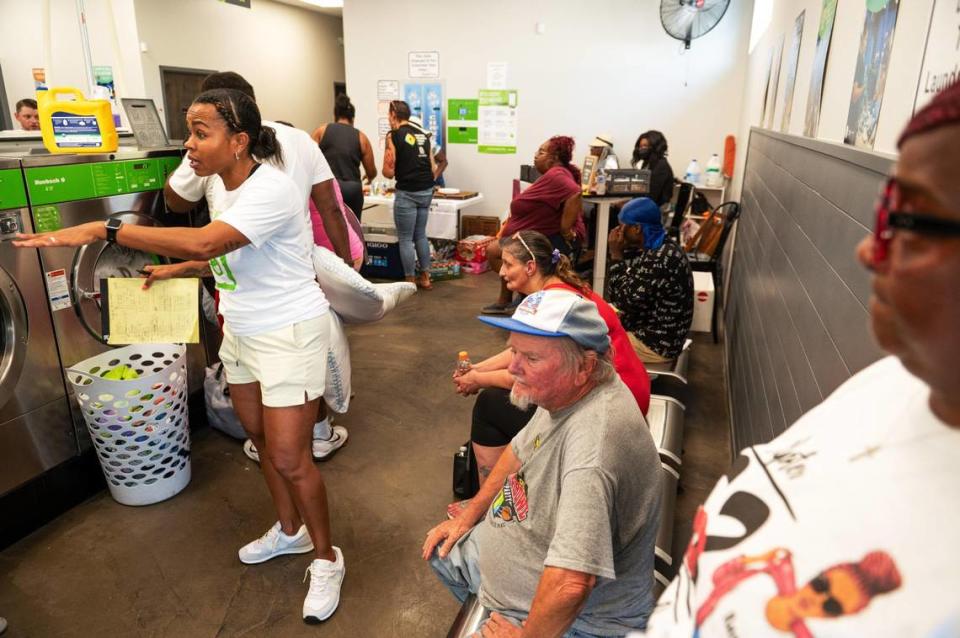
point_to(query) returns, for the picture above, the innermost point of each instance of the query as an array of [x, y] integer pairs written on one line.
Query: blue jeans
[[410, 210], [460, 573]]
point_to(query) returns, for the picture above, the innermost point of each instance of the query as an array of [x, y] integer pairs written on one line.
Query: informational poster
[[497, 111], [39, 79], [774, 82], [462, 119], [388, 90], [793, 56], [828, 14], [497, 75], [103, 76], [423, 64], [871, 74], [426, 103], [941, 59]]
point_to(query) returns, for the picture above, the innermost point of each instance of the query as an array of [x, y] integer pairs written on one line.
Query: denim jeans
[[460, 573], [410, 210]]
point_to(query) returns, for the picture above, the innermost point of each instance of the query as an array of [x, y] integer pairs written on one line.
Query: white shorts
[[289, 363]]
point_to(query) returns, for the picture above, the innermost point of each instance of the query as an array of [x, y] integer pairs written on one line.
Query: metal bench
[[675, 368], [665, 419], [468, 620]]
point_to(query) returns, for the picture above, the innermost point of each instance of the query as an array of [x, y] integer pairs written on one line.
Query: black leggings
[[352, 196], [495, 420]]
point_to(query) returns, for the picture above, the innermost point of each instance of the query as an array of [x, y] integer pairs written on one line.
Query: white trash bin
[[140, 427]]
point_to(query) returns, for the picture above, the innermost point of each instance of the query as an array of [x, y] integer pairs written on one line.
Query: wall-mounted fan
[[689, 19]]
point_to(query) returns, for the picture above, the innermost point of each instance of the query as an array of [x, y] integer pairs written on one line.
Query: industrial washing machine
[[36, 433], [68, 190]]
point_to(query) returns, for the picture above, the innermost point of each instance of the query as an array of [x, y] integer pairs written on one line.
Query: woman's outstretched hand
[[74, 236]]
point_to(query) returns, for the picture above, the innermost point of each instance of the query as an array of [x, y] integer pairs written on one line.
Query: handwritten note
[[167, 312]]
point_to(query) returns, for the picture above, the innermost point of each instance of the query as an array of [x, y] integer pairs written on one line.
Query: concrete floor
[[170, 569]]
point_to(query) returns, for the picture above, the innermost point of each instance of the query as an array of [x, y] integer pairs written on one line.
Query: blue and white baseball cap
[[557, 313]]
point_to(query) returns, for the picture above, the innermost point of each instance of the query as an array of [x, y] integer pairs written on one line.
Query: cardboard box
[[474, 248], [703, 294], [479, 225], [441, 270]]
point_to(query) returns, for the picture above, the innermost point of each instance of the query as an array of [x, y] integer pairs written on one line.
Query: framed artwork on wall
[[793, 57], [828, 14], [870, 78]]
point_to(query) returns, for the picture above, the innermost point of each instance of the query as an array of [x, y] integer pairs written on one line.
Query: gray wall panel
[[796, 316]]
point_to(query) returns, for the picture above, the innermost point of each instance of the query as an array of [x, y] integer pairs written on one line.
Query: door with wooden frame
[[180, 87]]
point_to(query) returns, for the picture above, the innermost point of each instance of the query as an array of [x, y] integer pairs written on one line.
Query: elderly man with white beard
[[560, 539]]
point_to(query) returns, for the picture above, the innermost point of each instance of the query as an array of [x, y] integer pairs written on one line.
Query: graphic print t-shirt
[[269, 283], [845, 525], [586, 498]]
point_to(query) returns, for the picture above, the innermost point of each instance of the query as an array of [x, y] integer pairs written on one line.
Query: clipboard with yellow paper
[[166, 312]]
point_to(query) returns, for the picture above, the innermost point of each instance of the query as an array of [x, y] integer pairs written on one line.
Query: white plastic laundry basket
[[140, 427]]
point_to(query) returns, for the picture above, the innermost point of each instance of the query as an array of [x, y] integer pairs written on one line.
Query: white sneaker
[[324, 594], [251, 450], [325, 449], [275, 543]]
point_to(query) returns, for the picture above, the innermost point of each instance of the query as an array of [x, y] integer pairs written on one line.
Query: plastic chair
[[681, 204]]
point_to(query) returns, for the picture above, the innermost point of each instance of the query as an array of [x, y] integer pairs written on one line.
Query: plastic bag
[[219, 407]]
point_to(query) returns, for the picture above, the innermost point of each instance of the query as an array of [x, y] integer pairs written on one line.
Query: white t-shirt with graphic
[[269, 283], [845, 525], [303, 162]]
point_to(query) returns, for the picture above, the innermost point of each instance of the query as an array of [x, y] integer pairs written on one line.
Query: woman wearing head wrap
[[650, 282]]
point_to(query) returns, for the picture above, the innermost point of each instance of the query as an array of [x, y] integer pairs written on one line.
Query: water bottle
[[693, 172], [601, 183], [713, 177], [463, 362]]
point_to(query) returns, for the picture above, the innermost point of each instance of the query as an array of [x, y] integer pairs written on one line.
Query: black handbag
[[466, 480]]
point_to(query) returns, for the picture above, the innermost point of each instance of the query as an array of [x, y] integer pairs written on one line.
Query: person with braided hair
[[552, 205], [258, 247], [873, 470]]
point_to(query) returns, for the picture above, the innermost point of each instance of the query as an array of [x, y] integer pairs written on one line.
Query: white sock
[[321, 430]]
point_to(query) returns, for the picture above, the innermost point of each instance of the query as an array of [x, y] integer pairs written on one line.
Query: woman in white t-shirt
[[258, 246]]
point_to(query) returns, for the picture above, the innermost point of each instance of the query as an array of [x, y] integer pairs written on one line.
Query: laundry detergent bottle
[[75, 125]]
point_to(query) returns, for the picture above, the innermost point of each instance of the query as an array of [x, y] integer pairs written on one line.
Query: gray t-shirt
[[586, 498]]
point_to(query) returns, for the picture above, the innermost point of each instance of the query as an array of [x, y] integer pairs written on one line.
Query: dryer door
[[102, 261], [13, 336]]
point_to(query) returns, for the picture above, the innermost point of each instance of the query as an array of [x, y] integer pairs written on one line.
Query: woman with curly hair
[[552, 206]]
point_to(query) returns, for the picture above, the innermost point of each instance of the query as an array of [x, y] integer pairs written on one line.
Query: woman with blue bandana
[[650, 282]]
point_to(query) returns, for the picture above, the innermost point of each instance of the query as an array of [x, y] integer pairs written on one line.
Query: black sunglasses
[[890, 220], [830, 605]]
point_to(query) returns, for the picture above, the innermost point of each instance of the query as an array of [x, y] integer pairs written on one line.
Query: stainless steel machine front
[[70, 190], [35, 428]]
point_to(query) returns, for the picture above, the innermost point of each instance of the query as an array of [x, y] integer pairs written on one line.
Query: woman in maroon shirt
[[551, 205]]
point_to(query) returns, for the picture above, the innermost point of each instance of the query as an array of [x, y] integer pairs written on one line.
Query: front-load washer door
[[102, 260], [14, 335]]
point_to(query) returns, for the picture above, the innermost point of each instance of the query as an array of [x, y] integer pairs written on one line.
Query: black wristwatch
[[113, 225]]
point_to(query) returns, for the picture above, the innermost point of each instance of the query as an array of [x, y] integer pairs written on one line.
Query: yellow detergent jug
[[75, 125]]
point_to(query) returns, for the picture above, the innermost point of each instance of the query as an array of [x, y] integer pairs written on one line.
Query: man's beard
[[520, 401]]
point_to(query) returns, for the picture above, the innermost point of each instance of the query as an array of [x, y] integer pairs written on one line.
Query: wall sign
[[462, 118], [498, 122], [388, 90], [423, 64], [941, 59]]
